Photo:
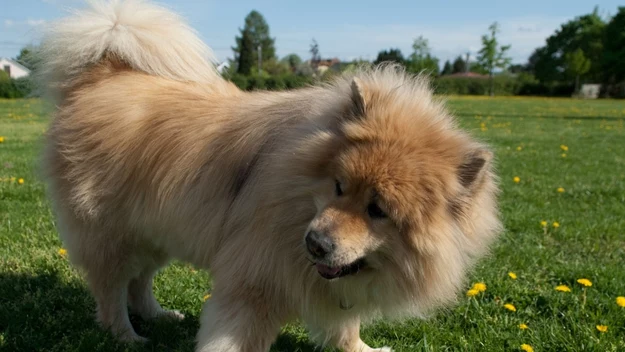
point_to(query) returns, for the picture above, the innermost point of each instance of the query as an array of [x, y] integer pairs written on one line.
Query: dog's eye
[[375, 212], [338, 189]]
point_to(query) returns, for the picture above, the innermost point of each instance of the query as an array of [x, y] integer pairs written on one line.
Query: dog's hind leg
[[109, 286], [141, 296], [110, 263]]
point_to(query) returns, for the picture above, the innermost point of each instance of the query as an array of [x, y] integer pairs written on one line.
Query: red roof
[[468, 75]]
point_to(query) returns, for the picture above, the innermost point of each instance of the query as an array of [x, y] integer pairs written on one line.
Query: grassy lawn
[[564, 219]]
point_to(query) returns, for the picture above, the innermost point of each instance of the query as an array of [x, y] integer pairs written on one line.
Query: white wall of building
[[16, 70]]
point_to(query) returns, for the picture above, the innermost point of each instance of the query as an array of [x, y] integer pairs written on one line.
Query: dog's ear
[[474, 166], [359, 98]]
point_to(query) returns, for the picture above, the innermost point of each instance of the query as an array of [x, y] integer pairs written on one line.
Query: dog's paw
[[132, 337], [382, 349], [172, 314]]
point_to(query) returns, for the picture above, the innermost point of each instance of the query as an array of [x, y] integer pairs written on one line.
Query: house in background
[[223, 67], [13, 68], [590, 91], [467, 75], [323, 65]]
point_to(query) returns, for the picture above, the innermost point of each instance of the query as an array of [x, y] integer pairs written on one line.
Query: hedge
[[261, 82], [504, 85], [15, 88], [523, 84]]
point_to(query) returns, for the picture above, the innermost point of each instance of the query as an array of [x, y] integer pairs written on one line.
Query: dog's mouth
[[329, 272]]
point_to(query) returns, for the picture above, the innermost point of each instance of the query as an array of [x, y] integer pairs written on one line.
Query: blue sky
[[343, 29]]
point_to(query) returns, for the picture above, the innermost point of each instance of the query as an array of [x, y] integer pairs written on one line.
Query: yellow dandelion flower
[[20, 181], [564, 147], [560, 190], [516, 179], [555, 224], [564, 155], [620, 301], [519, 148], [62, 252], [602, 328], [523, 326], [543, 223], [1, 139], [480, 286], [584, 282], [512, 275], [472, 292], [527, 348], [206, 297], [563, 288], [510, 307]]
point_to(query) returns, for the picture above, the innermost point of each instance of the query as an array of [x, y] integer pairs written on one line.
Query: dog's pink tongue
[[326, 270]]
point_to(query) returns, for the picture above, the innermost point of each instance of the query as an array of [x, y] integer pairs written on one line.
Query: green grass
[[44, 304]]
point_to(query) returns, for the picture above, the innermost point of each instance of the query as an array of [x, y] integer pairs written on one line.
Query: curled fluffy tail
[[145, 36]]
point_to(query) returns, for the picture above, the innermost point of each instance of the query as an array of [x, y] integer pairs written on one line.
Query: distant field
[[568, 157]]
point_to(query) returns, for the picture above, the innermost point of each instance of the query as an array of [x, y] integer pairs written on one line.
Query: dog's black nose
[[319, 245]]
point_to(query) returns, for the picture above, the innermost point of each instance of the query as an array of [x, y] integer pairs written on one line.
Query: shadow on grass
[[45, 312]]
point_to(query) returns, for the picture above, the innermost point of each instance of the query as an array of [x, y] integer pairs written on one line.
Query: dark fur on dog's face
[[354, 220]]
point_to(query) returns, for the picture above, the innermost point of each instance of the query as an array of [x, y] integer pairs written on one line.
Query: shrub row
[[281, 82], [504, 85], [15, 88]]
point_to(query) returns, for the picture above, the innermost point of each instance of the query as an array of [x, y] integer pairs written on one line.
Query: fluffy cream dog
[[332, 205]]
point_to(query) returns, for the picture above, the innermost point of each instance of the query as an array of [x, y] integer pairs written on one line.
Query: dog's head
[[404, 194]]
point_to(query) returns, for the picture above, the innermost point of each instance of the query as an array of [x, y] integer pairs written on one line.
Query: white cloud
[[35, 23], [29, 22]]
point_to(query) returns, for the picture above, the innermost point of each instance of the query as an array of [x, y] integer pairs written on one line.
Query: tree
[[614, 49], [577, 65], [492, 56], [315, 57], [459, 65], [420, 48], [447, 68], [476, 67], [27, 57], [305, 69], [275, 67], [420, 59], [254, 34], [393, 55], [517, 68], [292, 60], [246, 53], [543, 66], [548, 63], [356, 64]]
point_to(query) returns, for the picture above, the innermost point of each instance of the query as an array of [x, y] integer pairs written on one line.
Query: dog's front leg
[[228, 324], [346, 336]]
